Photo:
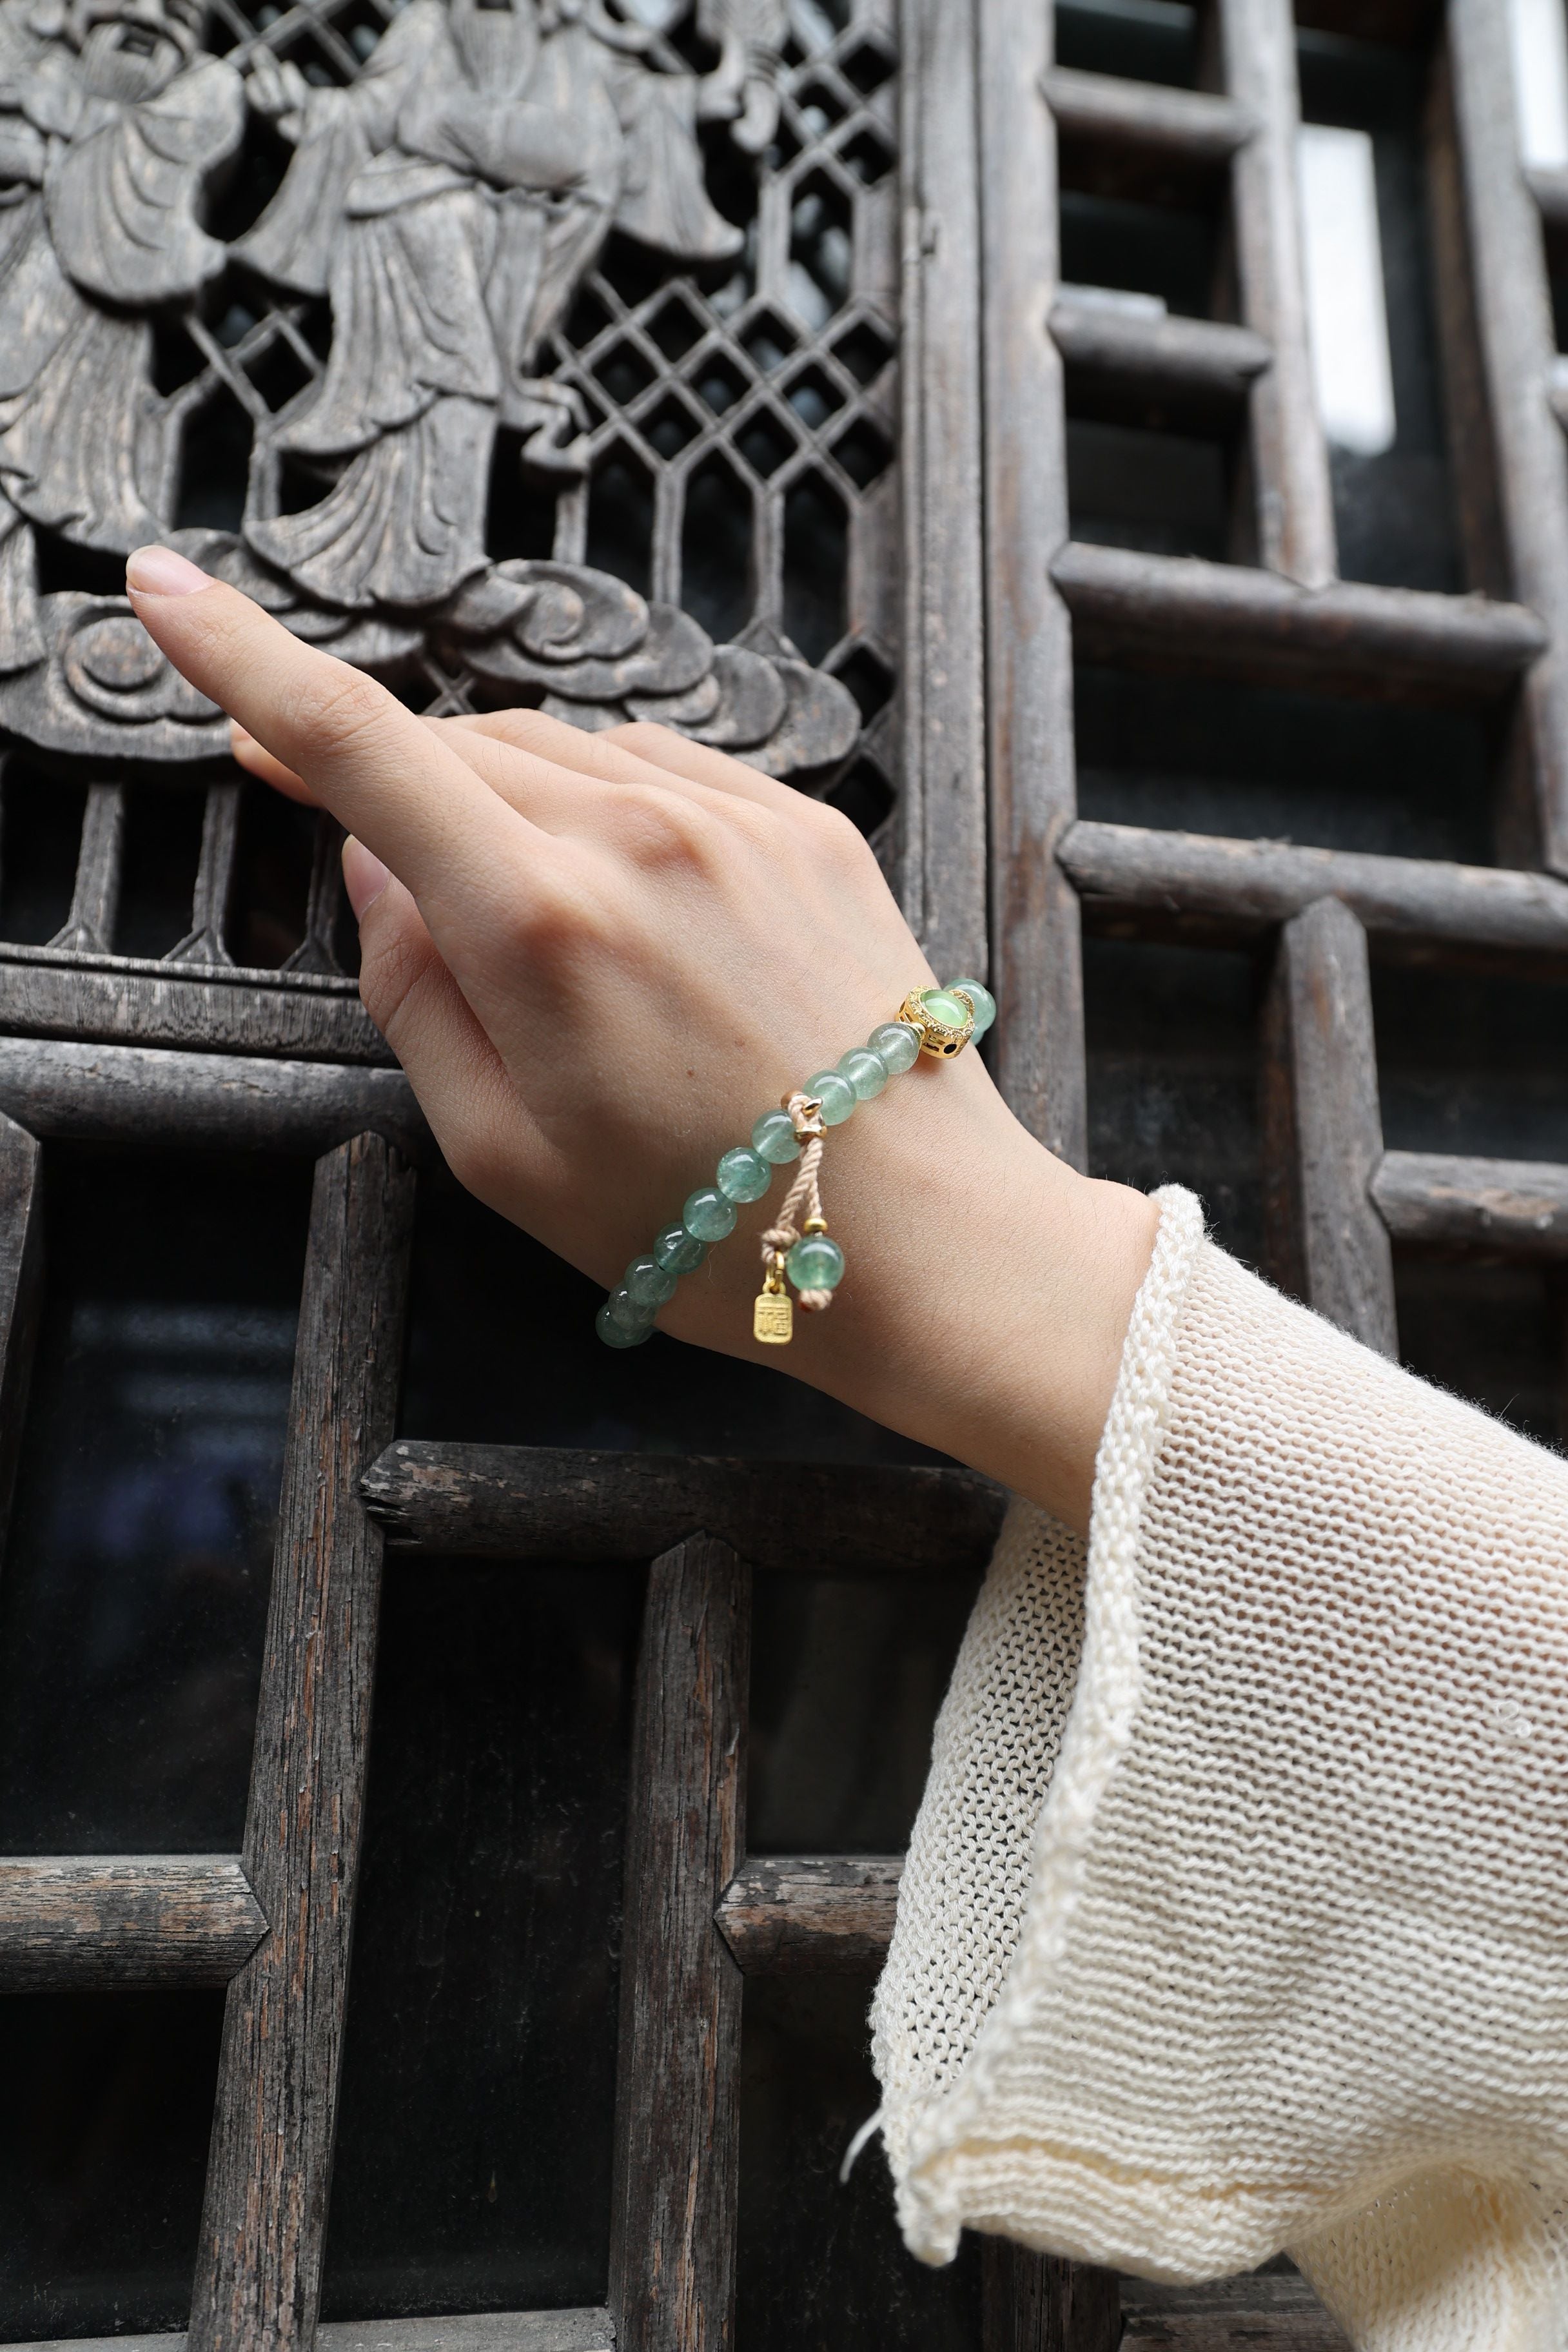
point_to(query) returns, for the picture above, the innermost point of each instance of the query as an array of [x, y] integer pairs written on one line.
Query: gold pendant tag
[[773, 1319]]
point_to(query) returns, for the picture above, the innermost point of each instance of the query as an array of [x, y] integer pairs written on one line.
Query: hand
[[600, 957], [277, 90]]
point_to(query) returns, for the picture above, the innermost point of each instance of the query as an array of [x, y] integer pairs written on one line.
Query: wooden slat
[[812, 1913], [1513, 308], [678, 2121], [1184, 127], [259, 2258], [942, 802], [1515, 1209], [205, 942], [477, 2331], [1385, 644], [131, 1094], [1322, 1128], [76, 1920], [137, 1001], [1033, 2302], [95, 897], [1294, 501], [21, 1295], [527, 1502], [1271, 2308], [1036, 1048], [1550, 189], [1251, 885], [1193, 370]]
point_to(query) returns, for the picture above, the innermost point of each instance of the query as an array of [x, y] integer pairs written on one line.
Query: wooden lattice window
[[1251, 798]]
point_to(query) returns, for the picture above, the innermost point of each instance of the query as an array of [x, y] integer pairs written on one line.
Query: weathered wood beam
[[812, 1913], [79, 1920], [1254, 885], [1507, 1208], [126, 1000], [1187, 127], [1194, 369], [21, 1295], [1290, 465], [524, 1502], [1385, 644], [1519, 352], [1034, 2302], [1035, 1051], [1323, 1128], [1550, 189], [676, 2188], [95, 896], [468, 2331], [258, 2262], [941, 808], [1265, 2309], [126, 1094], [206, 941]]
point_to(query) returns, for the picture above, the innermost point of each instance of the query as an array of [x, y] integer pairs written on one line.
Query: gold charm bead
[[772, 1315], [929, 1011]]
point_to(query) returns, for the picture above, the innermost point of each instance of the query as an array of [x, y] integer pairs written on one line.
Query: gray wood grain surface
[[1323, 1128], [138, 1001], [1514, 1209], [259, 2258], [1518, 350], [1195, 371], [21, 1295], [1290, 466], [1176, 126], [477, 2331], [79, 1920], [1385, 643], [1033, 2302], [1248, 886], [123, 1094], [1035, 1050], [674, 2199], [558, 1502], [943, 816], [811, 1913]]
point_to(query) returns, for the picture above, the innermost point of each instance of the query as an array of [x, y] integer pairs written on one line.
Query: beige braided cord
[[805, 1193]]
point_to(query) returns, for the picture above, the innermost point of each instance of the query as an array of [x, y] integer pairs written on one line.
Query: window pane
[[822, 2266], [1204, 756], [847, 1678], [108, 2108], [134, 1593], [473, 2159]]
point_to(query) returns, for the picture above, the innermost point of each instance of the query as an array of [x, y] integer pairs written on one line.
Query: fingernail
[[365, 876], [161, 572]]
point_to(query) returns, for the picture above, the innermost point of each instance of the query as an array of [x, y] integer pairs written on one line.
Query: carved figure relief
[[445, 206]]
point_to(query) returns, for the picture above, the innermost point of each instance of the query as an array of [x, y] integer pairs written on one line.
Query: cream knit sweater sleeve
[[1236, 1917]]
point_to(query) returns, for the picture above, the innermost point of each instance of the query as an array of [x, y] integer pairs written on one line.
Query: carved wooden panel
[[545, 354]]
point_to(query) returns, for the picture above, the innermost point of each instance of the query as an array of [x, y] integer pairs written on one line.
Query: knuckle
[[667, 834], [332, 707]]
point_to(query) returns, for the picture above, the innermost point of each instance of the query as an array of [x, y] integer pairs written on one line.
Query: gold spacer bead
[[815, 1225]]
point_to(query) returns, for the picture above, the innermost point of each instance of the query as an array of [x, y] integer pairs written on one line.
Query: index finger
[[382, 773]]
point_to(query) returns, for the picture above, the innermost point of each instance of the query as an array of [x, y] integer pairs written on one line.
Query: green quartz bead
[[815, 1263], [984, 1004], [949, 1010], [648, 1283], [708, 1216], [899, 1045], [620, 1335], [866, 1071], [836, 1094], [743, 1174], [678, 1251], [775, 1137], [626, 1310]]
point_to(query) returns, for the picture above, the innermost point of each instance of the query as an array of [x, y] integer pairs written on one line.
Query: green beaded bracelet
[[937, 1022]]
